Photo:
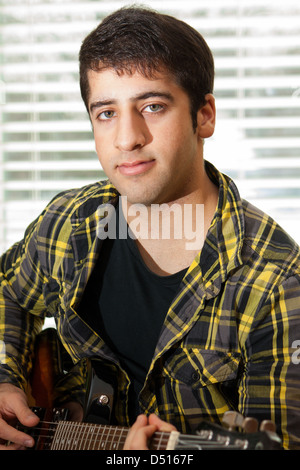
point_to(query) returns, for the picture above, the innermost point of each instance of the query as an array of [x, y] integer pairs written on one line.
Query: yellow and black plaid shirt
[[229, 340]]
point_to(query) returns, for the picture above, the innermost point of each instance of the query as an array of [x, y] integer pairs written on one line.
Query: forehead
[[110, 84]]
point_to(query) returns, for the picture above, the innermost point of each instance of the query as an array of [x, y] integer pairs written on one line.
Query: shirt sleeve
[[270, 383], [22, 309]]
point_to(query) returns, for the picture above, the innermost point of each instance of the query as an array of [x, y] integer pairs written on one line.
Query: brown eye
[[105, 115], [154, 107]]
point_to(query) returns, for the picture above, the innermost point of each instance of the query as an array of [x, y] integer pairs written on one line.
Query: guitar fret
[[57, 439], [81, 433], [112, 443], [80, 438], [69, 440], [98, 429], [92, 437], [86, 432], [101, 442], [122, 437], [75, 438], [106, 445], [107, 436], [113, 437], [160, 440]]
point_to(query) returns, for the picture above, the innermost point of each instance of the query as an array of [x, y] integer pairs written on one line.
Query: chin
[[143, 199]]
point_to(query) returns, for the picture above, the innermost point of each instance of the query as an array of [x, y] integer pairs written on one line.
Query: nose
[[131, 132]]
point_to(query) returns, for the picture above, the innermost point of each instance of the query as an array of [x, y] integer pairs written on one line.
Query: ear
[[206, 117]]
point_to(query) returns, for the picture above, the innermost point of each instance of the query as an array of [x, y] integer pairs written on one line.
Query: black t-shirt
[[126, 304]]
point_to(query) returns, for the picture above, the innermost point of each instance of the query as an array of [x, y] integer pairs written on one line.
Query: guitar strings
[[47, 429], [160, 439]]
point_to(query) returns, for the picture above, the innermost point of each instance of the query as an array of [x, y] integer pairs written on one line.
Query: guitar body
[[46, 367]]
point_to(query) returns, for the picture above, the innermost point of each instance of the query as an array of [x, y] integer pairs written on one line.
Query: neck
[[178, 226]]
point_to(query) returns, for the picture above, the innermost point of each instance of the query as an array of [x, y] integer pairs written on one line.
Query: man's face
[[144, 136]]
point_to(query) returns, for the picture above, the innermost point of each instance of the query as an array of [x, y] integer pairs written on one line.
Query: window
[[46, 143]]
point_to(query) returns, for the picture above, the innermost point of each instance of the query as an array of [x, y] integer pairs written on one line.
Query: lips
[[135, 167]]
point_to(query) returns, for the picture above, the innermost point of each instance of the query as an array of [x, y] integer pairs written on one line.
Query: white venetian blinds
[[46, 144]]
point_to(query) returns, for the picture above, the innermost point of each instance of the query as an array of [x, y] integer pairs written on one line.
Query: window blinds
[[46, 143]]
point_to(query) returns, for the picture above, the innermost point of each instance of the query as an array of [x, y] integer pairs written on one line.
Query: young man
[[189, 328]]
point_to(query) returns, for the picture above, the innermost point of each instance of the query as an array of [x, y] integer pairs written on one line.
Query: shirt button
[[195, 376]]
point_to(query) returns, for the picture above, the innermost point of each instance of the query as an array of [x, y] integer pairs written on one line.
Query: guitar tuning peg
[[233, 419], [267, 425], [250, 425]]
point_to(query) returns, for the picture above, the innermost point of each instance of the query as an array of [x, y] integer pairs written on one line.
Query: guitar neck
[[84, 436], [68, 435]]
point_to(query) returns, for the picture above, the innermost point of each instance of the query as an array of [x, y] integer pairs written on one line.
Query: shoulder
[[86, 197], [79, 203], [68, 209], [268, 242]]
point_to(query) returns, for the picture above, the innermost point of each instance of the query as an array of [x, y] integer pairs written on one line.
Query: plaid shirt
[[229, 340]]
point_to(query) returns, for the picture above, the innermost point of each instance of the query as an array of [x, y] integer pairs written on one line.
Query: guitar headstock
[[235, 421], [235, 433]]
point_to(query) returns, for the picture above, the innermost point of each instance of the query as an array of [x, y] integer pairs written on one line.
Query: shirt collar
[[221, 252]]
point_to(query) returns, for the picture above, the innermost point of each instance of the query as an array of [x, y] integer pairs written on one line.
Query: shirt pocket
[[201, 367], [203, 383]]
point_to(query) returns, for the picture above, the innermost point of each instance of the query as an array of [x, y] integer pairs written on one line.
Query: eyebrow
[[142, 96]]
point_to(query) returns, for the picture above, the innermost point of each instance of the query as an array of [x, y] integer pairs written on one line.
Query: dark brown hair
[[140, 39]]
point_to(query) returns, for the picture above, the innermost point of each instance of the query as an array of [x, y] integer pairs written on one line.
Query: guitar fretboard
[[68, 435], [84, 436]]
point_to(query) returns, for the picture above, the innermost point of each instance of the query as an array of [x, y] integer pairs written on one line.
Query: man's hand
[[143, 429], [13, 407]]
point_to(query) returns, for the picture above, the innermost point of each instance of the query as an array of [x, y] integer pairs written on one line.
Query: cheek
[[169, 139], [180, 143], [98, 143], [101, 147]]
